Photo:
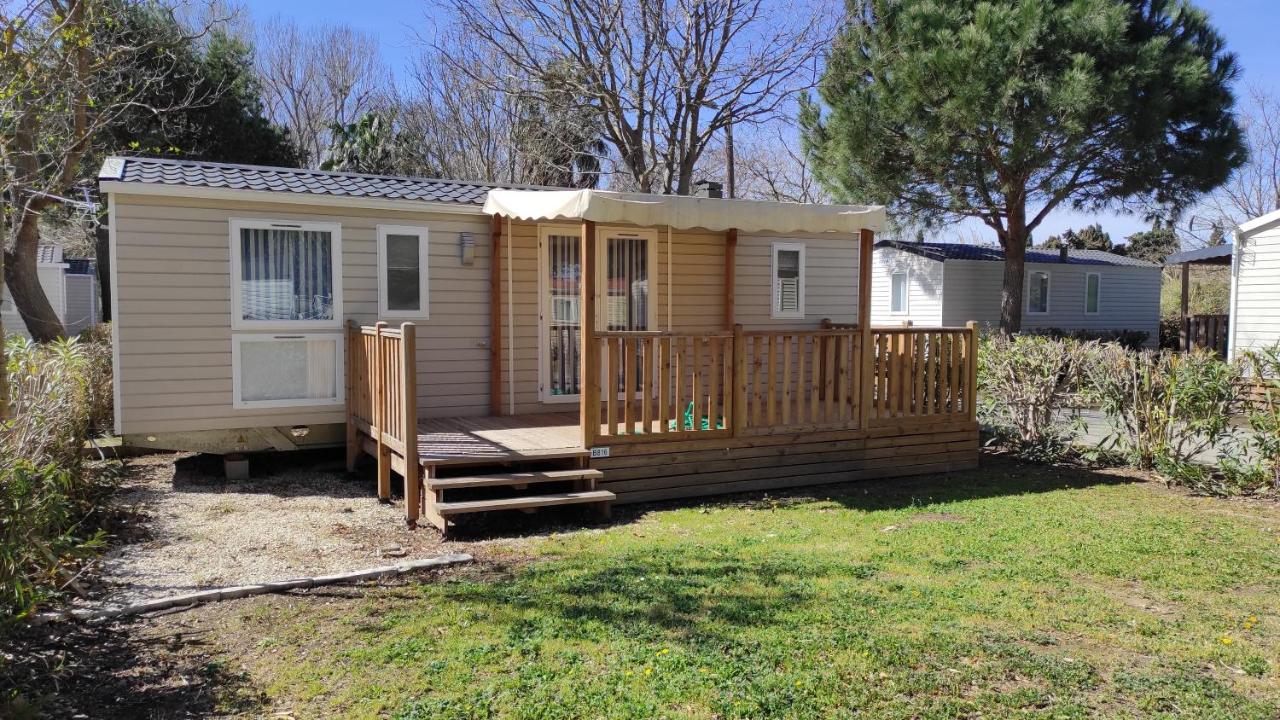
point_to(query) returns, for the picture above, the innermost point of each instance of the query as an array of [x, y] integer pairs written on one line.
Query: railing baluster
[[646, 385], [610, 388]]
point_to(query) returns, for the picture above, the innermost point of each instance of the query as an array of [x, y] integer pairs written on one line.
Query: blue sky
[[1248, 25]]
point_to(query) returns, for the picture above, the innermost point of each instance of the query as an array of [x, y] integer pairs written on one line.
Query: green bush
[[49, 496], [1168, 409], [1024, 384], [1255, 464]]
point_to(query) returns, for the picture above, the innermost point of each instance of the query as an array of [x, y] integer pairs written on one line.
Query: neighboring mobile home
[[566, 346], [70, 284], [1070, 290], [1255, 285]]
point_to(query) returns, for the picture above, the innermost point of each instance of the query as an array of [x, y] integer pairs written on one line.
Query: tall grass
[[49, 496]]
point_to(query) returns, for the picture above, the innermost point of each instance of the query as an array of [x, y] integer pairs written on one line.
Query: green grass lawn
[[1013, 590]]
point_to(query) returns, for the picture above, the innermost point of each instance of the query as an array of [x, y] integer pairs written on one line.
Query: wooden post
[[738, 407], [409, 404], [589, 413], [971, 379], [730, 276], [379, 419], [352, 337], [495, 317], [866, 239], [1184, 321]]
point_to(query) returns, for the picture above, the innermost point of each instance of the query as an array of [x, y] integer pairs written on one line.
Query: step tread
[[527, 501], [517, 478]]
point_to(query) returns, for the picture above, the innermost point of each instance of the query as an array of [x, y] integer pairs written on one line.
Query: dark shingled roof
[[960, 251], [156, 171]]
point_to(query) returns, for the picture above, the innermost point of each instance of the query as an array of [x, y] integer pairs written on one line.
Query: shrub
[[1131, 339], [1256, 462], [60, 394], [1024, 383], [1168, 408]]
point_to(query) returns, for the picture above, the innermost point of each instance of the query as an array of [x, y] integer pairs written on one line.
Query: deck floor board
[[461, 440]]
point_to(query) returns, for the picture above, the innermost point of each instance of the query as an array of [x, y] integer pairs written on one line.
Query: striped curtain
[[627, 284], [286, 274], [787, 283]]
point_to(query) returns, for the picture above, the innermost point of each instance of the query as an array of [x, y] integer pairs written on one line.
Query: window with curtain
[[788, 280], [1038, 293], [286, 274], [626, 296], [1092, 292], [402, 272], [898, 302], [282, 371]]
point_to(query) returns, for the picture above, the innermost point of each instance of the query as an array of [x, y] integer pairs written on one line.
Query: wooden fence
[[663, 385], [382, 405], [1205, 331]]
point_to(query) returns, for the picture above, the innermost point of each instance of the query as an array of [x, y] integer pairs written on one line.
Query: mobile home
[[71, 286], [1070, 290], [567, 346]]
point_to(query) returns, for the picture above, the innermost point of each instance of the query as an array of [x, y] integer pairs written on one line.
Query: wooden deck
[[481, 440]]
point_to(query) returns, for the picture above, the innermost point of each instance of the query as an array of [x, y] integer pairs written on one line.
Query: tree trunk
[[102, 264], [20, 273], [1014, 241], [4, 358]]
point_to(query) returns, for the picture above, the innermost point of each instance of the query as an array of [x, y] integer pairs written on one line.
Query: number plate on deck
[[600, 452]]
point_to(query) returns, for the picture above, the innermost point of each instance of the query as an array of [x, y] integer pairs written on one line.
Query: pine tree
[[949, 109]]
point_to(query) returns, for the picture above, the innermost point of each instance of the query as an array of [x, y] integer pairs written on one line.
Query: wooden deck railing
[[668, 384], [382, 405], [798, 379], [920, 372], [662, 385]]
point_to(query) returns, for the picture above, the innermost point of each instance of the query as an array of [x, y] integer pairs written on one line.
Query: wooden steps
[[515, 480], [527, 489], [527, 502]]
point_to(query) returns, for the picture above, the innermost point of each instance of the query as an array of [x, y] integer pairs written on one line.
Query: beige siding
[[174, 323], [830, 280], [924, 288], [1257, 303]]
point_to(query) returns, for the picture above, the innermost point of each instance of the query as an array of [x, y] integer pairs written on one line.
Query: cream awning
[[683, 211]]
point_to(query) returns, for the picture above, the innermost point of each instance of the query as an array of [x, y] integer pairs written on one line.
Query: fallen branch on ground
[[191, 600]]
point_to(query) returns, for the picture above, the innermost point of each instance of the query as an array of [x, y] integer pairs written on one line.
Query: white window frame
[[238, 339], [1048, 287], [906, 296], [335, 241], [775, 312], [1087, 311], [421, 233]]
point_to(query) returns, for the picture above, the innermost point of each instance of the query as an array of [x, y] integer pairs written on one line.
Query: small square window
[[402, 272], [899, 291], [788, 280]]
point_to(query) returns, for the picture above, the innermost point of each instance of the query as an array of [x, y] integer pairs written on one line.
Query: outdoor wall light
[[466, 248]]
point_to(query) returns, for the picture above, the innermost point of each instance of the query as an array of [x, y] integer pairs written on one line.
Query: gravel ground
[[300, 514]]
